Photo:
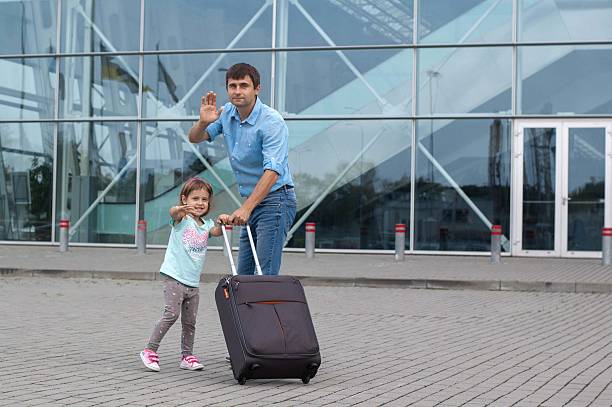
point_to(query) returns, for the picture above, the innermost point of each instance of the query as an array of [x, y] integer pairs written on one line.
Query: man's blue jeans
[[270, 221]]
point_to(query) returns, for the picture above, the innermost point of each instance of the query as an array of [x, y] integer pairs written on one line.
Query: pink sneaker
[[191, 362], [150, 359]]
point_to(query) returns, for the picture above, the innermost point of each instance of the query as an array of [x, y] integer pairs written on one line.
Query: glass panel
[[466, 21], [586, 188], [28, 27], [27, 88], [26, 162], [91, 158], [100, 26], [168, 161], [563, 20], [363, 168], [382, 86], [539, 177], [463, 180], [464, 80], [214, 24], [309, 23], [99, 86], [175, 84], [565, 79]]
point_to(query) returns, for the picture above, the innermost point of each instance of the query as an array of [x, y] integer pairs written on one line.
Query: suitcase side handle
[[229, 251]]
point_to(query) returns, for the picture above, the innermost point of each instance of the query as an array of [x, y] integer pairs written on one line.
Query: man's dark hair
[[239, 71]]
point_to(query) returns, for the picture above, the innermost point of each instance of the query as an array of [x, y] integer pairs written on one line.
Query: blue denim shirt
[[256, 144]]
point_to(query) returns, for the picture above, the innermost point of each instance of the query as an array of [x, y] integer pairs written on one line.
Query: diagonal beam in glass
[[331, 186], [460, 192], [384, 103], [178, 106]]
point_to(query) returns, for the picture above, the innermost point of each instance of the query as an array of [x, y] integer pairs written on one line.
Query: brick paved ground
[[76, 342]]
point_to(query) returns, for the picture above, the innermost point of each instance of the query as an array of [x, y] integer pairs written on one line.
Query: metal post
[[400, 241], [141, 237], [496, 233], [310, 239], [228, 232], [606, 246], [63, 224]]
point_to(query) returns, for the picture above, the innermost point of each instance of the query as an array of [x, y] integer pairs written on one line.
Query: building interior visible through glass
[[394, 117]]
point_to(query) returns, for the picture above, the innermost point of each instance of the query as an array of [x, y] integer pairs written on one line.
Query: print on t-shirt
[[195, 243]]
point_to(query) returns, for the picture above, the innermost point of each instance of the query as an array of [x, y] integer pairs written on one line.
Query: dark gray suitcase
[[267, 325]]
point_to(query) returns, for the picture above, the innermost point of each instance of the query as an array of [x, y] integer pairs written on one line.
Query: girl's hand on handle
[[223, 219], [208, 108]]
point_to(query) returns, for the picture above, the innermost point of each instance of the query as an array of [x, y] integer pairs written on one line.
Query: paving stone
[[379, 345]]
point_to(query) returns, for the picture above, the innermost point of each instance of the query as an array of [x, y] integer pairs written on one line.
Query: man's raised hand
[[208, 108]]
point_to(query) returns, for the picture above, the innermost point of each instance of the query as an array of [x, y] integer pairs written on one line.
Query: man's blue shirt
[[256, 144]]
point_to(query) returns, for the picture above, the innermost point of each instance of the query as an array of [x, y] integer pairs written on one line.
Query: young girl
[[181, 271]]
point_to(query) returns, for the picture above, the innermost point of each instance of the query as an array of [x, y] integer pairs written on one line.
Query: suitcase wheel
[[241, 380], [306, 379]]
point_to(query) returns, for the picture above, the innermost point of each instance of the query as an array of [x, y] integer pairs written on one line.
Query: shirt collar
[[252, 119]]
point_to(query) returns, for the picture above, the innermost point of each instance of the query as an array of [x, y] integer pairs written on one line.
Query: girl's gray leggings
[[179, 300]]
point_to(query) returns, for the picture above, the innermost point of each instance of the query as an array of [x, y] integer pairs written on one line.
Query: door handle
[[565, 200]]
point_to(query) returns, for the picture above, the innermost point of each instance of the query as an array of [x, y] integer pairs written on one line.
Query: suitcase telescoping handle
[[228, 246]]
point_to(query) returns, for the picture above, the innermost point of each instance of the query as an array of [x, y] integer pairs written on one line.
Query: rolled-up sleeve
[[275, 146], [214, 129]]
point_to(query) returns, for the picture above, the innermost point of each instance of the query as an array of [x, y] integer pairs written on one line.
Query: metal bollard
[[606, 246], [64, 224], [310, 239], [141, 237], [400, 241], [496, 233], [228, 231]]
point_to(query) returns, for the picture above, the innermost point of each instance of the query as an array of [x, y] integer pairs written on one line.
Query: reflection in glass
[[92, 157], [100, 26], [100, 86], [168, 161], [586, 187], [466, 21], [464, 80], [539, 175], [26, 179], [213, 24], [28, 27], [376, 22], [174, 84], [383, 85], [562, 20], [27, 88], [463, 183], [562, 79], [366, 167]]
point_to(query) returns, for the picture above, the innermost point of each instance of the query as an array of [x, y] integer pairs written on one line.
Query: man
[[256, 138]]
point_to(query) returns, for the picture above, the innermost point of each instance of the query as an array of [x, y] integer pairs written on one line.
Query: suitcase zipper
[[281, 328], [272, 302]]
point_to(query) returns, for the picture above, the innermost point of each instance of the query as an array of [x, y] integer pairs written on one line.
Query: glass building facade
[[448, 116]]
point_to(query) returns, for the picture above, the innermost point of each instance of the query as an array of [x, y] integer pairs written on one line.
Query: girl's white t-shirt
[[186, 252]]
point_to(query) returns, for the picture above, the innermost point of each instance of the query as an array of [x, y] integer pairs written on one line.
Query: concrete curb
[[434, 284]]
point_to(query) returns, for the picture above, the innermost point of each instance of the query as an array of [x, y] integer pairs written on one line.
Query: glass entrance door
[[561, 188]]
